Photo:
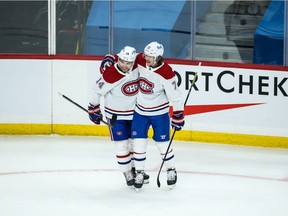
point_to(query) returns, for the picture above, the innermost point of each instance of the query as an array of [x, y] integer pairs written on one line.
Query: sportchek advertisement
[[223, 99]]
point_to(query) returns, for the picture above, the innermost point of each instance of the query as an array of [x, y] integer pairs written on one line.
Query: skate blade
[[137, 189], [171, 187], [146, 181]]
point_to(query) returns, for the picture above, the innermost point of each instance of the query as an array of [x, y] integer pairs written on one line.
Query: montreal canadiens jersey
[[157, 89], [119, 91]]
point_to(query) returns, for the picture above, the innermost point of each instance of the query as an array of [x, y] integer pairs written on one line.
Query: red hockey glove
[[177, 120], [95, 114]]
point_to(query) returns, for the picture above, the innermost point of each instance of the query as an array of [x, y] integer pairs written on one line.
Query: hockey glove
[[177, 120], [95, 114], [108, 61]]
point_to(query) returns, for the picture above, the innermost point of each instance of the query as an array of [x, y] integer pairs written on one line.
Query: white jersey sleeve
[[173, 93], [100, 88]]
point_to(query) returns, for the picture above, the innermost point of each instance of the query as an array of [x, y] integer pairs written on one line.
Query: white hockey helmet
[[154, 49], [127, 54]]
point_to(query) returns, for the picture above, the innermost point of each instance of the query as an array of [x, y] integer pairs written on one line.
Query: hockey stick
[[114, 116], [172, 137]]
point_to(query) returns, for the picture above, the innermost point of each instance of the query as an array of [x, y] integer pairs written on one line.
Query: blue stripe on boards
[[166, 30]]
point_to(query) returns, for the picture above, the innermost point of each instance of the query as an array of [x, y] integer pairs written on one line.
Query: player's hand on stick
[[95, 114], [177, 120]]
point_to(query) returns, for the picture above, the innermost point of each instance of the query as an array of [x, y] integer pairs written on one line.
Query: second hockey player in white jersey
[[157, 91], [118, 84]]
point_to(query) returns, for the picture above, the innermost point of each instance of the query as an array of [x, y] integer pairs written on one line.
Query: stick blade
[[158, 183], [158, 176]]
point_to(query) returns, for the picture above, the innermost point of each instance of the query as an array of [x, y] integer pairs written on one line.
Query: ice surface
[[74, 175]]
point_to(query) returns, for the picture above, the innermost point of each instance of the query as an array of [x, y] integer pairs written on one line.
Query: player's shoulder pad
[[141, 60], [134, 66], [165, 71], [111, 75], [116, 58]]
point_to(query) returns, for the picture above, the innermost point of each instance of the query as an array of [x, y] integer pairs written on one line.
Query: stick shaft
[[172, 137], [78, 105], [81, 107]]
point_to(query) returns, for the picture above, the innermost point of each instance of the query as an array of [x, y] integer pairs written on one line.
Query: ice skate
[[129, 178], [171, 177], [146, 176], [139, 180]]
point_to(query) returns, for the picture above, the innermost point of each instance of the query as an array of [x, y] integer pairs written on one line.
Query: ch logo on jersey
[[145, 86], [130, 88]]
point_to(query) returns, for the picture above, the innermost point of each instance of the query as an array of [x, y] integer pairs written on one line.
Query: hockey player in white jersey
[[157, 91], [118, 84]]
